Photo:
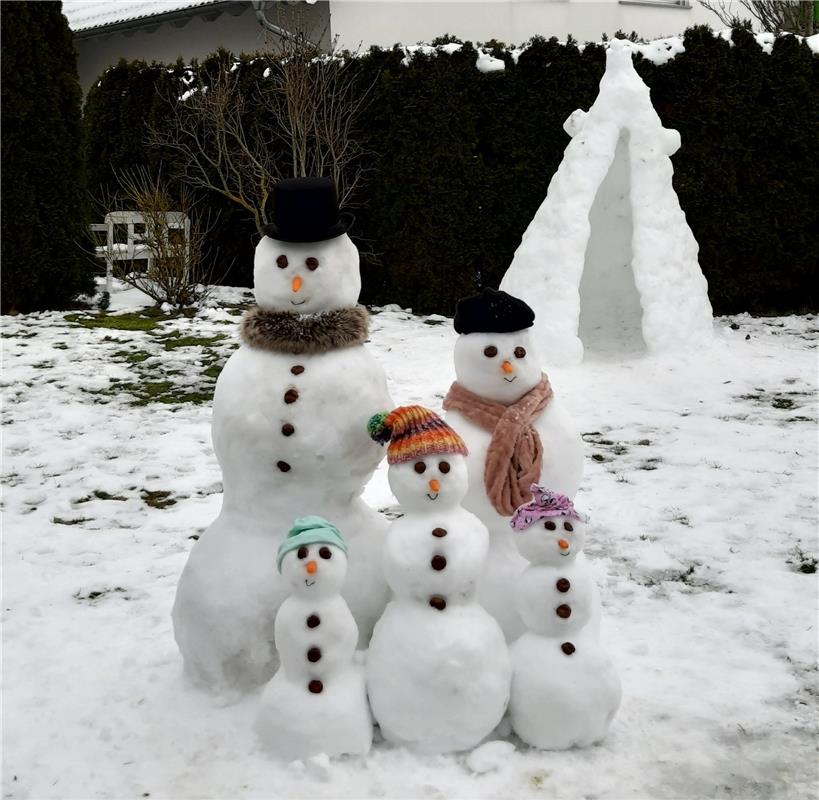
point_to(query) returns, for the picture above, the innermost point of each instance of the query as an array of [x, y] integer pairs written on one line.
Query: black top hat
[[492, 311], [306, 210]]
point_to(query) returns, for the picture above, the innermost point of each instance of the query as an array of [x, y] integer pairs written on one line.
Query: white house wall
[[385, 22]]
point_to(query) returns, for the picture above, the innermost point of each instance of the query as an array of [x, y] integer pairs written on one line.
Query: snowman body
[[289, 431], [438, 669], [562, 465], [565, 691], [317, 700]]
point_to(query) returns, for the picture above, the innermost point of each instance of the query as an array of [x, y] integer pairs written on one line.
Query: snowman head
[[426, 458], [495, 356], [436, 481], [306, 263], [549, 530], [306, 277], [313, 558]]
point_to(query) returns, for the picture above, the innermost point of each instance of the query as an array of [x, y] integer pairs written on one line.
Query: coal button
[[436, 601], [313, 621], [567, 648], [439, 532], [288, 429], [290, 396], [438, 562], [563, 585], [313, 654], [297, 370], [283, 466], [316, 687], [564, 611]]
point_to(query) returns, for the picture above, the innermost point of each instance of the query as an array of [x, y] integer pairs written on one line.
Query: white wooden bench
[[134, 248]]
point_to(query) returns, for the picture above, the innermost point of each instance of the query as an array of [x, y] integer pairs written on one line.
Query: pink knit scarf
[[515, 454]]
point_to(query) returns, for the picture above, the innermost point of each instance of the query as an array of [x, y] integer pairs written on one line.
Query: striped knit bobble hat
[[414, 432]]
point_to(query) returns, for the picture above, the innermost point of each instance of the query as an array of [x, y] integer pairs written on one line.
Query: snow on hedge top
[[658, 51], [85, 14]]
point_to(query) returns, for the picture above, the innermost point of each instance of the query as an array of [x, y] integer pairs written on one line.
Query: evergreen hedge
[[43, 200], [463, 160]]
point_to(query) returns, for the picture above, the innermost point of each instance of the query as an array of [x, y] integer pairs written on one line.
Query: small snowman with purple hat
[[565, 691]]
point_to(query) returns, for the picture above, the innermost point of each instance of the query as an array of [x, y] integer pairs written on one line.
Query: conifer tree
[[43, 198]]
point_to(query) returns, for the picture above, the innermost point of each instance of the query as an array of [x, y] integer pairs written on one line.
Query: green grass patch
[[75, 521], [132, 356], [157, 499], [119, 322], [175, 339]]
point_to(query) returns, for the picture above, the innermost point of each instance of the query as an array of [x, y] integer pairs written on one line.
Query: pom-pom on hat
[[492, 311], [414, 432], [544, 503], [310, 530]]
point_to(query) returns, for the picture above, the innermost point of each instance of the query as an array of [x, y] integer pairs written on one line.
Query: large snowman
[[438, 670], [517, 432], [289, 430]]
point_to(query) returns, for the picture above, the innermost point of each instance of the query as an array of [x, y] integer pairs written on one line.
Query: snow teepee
[[609, 261]]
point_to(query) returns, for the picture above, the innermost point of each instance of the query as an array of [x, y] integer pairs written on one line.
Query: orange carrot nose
[[434, 485], [311, 567], [507, 367], [562, 544], [296, 283]]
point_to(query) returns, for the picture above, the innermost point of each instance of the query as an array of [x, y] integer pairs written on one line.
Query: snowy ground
[[701, 482]]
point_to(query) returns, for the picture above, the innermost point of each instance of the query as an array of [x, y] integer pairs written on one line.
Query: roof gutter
[[179, 17]]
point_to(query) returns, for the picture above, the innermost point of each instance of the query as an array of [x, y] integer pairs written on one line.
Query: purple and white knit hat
[[544, 503]]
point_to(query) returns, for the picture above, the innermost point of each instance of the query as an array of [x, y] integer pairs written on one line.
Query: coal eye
[[549, 525], [491, 351], [312, 263], [281, 262], [302, 552], [520, 352], [326, 552], [444, 467], [420, 467], [568, 526]]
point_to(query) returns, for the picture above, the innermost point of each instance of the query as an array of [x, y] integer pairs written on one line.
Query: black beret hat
[[492, 311]]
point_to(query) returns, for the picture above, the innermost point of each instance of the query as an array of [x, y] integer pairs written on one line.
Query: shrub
[[43, 213]]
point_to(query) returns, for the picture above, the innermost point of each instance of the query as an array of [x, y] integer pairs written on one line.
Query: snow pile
[[610, 212], [488, 63]]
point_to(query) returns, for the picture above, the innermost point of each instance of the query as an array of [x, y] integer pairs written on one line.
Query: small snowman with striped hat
[[317, 701], [438, 669], [565, 691]]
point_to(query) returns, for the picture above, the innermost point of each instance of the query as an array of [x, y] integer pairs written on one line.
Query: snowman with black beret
[[518, 433], [289, 430]]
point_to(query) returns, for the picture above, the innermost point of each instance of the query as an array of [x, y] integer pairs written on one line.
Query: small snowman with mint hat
[[565, 691], [438, 667], [517, 431], [317, 702]]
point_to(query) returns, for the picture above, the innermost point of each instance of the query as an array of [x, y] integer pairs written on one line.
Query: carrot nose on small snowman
[[562, 544], [434, 485], [311, 567], [507, 367], [296, 283]]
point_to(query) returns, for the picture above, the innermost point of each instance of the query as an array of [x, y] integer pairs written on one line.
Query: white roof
[[85, 14]]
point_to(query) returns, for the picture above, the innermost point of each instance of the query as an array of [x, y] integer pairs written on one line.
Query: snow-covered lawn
[[701, 482]]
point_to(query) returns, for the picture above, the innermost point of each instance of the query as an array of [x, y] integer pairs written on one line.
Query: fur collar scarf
[[286, 332]]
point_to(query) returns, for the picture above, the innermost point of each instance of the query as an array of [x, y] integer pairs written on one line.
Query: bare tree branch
[[776, 16]]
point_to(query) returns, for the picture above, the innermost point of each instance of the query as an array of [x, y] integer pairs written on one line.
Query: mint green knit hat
[[310, 530]]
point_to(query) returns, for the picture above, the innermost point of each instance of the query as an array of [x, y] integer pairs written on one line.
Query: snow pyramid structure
[[609, 261]]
